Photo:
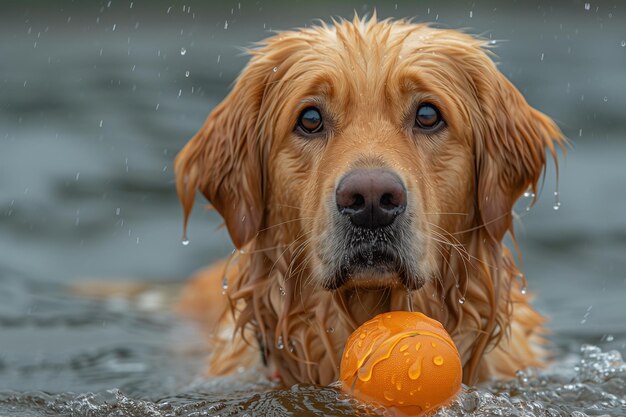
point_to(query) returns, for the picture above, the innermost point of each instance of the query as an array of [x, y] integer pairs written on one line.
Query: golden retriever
[[360, 167]]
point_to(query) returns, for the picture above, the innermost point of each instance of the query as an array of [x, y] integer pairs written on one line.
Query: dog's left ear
[[511, 144], [224, 159]]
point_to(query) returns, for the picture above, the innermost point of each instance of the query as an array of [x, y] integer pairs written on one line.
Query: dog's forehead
[[366, 43], [363, 54]]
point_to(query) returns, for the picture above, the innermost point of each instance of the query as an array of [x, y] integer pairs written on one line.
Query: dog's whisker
[[459, 246], [285, 222], [480, 226], [436, 213]]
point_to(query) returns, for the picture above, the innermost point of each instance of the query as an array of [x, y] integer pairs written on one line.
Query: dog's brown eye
[[310, 120], [427, 117]]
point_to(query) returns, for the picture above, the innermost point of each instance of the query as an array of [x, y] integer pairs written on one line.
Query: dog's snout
[[371, 198]]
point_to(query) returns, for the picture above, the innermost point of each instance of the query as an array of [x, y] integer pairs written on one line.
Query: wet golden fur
[[272, 188]]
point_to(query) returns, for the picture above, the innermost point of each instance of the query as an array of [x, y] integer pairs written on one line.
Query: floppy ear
[[511, 149], [223, 160]]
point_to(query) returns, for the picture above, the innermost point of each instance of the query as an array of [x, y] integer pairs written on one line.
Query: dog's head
[[370, 147]]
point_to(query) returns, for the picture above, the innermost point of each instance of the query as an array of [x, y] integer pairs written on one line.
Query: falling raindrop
[[183, 51], [225, 24], [623, 43], [557, 202], [587, 314], [587, 6], [605, 99], [187, 73], [224, 282]]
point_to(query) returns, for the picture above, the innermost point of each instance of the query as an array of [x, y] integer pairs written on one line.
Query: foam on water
[[594, 385]]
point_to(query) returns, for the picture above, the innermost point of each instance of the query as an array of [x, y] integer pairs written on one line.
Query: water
[[97, 98]]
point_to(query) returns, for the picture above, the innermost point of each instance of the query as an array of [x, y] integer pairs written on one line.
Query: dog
[[364, 166]]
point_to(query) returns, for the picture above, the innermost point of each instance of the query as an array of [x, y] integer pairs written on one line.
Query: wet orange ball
[[402, 360]]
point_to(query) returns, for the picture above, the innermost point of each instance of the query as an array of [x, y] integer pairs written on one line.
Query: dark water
[[97, 98]]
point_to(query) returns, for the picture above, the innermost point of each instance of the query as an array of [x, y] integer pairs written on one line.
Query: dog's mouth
[[373, 259]]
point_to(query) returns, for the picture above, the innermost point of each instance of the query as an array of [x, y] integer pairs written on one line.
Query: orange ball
[[403, 360]]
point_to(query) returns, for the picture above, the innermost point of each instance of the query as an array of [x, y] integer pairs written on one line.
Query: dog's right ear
[[224, 160]]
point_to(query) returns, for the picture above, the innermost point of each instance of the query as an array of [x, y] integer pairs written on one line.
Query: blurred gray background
[[97, 97]]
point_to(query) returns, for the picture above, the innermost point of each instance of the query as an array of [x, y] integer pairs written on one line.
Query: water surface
[[96, 99]]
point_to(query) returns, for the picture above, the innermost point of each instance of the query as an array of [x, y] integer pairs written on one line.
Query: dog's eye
[[310, 120], [428, 117]]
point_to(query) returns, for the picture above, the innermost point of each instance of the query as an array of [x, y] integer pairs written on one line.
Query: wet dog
[[362, 166]]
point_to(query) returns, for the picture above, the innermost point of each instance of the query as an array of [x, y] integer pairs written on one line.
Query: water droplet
[[330, 330], [183, 51], [187, 73], [462, 300], [609, 338], [185, 241], [587, 6], [225, 283], [623, 44], [493, 42], [101, 121], [275, 69], [225, 24], [280, 345], [281, 290], [438, 360], [243, 219], [605, 99], [117, 211], [557, 203], [415, 370], [523, 290]]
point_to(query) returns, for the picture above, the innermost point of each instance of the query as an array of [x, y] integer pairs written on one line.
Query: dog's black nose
[[371, 198]]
